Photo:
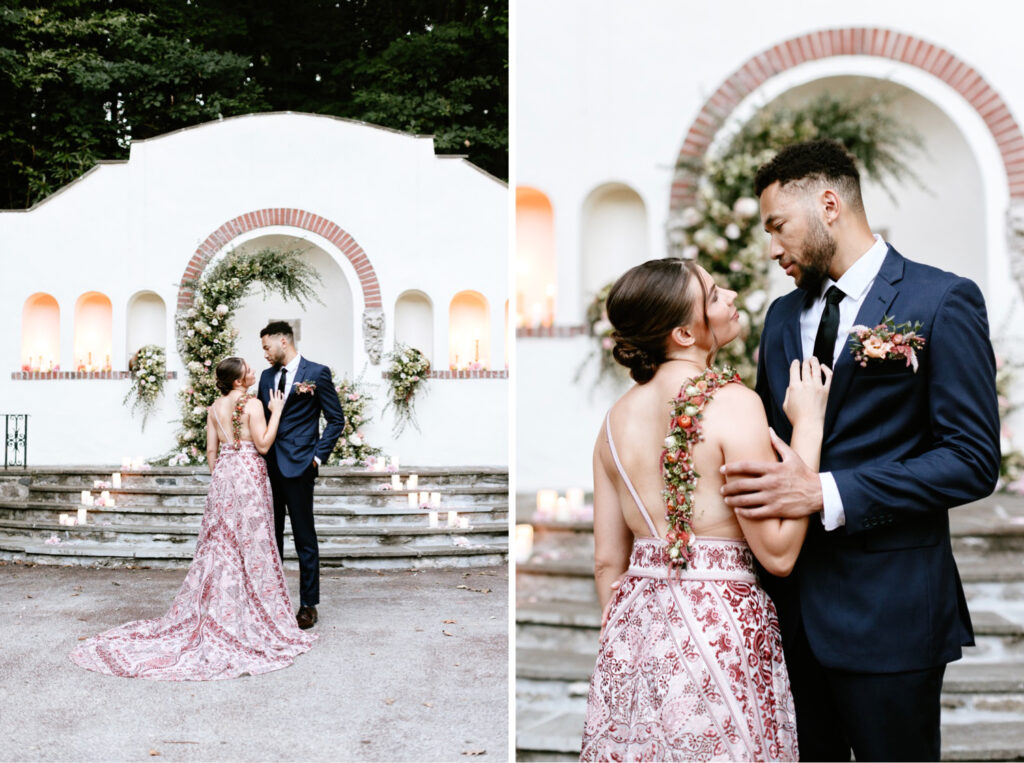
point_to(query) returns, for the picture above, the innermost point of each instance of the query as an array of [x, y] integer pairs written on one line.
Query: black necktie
[[284, 375], [828, 329]]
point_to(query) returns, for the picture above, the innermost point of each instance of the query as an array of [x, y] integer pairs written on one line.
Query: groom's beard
[[818, 250]]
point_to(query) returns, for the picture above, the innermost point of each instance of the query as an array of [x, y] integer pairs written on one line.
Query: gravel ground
[[383, 682]]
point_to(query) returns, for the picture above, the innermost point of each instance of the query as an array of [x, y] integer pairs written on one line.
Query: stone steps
[[158, 512], [195, 495], [162, 555], [100, 531], [349, 516]]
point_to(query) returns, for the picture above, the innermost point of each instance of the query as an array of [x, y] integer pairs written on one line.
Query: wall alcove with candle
[[93, 332], [40, 334], [414, 322], [469, 345], [614, 233], [147, 322], [536, 265]]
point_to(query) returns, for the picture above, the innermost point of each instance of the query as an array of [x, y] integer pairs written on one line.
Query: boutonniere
[[887, 341], [305, 388]]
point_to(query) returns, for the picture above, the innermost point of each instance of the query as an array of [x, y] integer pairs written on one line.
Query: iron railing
[[15, 440]]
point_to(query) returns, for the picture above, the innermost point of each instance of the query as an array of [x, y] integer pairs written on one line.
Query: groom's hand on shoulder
[[786, 489]]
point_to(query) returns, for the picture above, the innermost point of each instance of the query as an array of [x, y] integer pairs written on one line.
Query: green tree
[[81, 79]]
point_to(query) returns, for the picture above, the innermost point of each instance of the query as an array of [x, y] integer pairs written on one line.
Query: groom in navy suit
[[294, 460], [874, 608]]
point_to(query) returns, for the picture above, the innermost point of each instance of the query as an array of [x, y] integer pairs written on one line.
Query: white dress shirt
[[855, 284], [292, 368]]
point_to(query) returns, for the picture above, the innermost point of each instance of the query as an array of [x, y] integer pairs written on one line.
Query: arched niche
[[536, 264], [614, 235], [414, 322], [93, 332], [951, 187], [147, 322], [469, 344], [324, 330], [40, 333]]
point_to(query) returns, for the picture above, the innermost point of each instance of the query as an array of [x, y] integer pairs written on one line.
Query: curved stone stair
[[557, 622], [158, 512]]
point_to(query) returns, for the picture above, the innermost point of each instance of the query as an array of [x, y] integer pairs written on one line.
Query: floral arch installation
[[373, 315], [854, 41]]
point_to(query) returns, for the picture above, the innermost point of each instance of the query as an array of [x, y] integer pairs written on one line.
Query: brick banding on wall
[[296, 218], [853, 41]]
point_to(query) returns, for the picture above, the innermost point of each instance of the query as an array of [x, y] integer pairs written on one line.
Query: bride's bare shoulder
[[738, 407]]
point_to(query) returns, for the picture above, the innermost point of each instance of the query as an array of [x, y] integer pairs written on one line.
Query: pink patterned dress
[[690, 663], [232, 615]]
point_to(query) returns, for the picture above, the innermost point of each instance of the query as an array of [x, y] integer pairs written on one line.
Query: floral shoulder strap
[[677, 468], [236, 418]]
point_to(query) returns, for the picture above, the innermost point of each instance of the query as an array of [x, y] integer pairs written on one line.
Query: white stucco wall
[[435, 224], [607, 92]]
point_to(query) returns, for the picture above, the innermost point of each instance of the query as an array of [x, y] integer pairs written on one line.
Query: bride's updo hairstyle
[[644, 305], [228, 372]]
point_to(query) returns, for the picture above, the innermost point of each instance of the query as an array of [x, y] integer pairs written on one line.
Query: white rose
[[721, 244], [191, 333], [198, 410], [755, 300], [356, 440], [746, 207], [690, 217], [222, 309], [690, 252], [671, 443], [732, 231], [692, 391]]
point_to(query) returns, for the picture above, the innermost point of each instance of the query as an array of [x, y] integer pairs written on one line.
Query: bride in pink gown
[[232, 615], [690, 663]]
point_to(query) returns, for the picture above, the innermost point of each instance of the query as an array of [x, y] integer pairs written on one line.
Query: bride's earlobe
[[682, 336]]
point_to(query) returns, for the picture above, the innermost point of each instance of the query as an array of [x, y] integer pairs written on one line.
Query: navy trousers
[[877, 716], [295, 495]]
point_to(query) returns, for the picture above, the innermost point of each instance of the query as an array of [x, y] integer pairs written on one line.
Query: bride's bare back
[[639, 425]]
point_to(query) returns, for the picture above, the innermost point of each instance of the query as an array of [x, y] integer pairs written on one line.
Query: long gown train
[[232, 615]]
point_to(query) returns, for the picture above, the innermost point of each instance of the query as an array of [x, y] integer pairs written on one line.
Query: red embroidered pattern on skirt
[[690, 667], [232, 615]]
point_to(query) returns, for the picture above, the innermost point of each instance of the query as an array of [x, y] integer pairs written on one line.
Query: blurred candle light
[[524, 543]]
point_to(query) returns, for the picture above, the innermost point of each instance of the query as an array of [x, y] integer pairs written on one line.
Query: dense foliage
[[81, 79]]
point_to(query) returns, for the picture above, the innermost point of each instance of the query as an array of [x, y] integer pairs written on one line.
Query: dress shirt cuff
[[832, 516], [315, 458]]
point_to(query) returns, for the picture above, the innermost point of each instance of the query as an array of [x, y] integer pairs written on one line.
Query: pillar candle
[[105, 495], [524, 543], [435, 498], [463, 523], [413, 503], [546, 502], [424, 497], [574, 496], [433, 519], [562, 513], [453, 519], [115, 480], [82, 513], [394, 463], [126, 463], [62, 519], [414, 481], [396, 482], [86, 497]]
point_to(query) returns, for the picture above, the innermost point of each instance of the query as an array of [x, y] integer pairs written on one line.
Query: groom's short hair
[[279, 327], [815, 162]]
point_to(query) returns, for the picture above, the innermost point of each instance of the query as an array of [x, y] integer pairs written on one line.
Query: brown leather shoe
[[306, 618]]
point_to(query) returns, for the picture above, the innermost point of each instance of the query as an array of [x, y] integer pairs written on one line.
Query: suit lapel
[[300, 375], [872, 311], [792, 347]]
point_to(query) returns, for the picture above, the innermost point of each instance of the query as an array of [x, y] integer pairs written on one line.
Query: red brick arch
[[854, 41], [296, 218]]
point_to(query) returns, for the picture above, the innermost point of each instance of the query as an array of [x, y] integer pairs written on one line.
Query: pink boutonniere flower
[[305, 388], [887, 341]]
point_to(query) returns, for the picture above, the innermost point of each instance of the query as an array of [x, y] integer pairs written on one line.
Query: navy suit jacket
[[298, 434], [883, 594]]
